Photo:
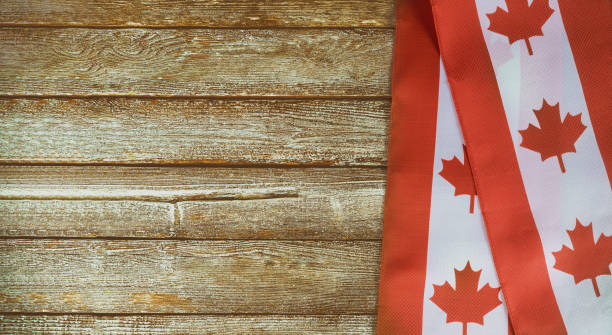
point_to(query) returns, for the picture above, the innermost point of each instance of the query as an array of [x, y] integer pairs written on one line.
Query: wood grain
[[207, 13], [278, 277], [189, 324], [235, 132], [192, 166], [83, 218], [206, 203], [195, 62]]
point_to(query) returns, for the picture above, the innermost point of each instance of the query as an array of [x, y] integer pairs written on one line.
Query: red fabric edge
[[412, 133], [515, 242]]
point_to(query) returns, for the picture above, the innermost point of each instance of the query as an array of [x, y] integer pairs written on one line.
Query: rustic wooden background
[[178, 167]]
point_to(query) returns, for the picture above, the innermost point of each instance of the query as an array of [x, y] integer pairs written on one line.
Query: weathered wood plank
[[82, 218], [223, 13], [211, 203], [277, 277], [179, 183], [128, 131], [200, 62], [341, 216], [189, 324]]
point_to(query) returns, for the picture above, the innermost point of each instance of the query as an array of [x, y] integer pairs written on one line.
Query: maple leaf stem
[[471, 204], [529, 47], [560, 159], [594, 281], [464, 328]]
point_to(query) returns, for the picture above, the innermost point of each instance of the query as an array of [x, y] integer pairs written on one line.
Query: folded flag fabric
[[498, 212]]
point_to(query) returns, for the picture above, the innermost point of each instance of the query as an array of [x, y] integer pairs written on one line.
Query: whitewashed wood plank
[[219, 13], [206, 203], [150, 131], [195, 62], [278, 277], [189, 324]]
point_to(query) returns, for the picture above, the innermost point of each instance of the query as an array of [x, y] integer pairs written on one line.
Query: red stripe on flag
[[412, 136], [588, 25], [513, 236]]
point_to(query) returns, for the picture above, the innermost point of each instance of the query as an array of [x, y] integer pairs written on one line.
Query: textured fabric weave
[[498, 212]]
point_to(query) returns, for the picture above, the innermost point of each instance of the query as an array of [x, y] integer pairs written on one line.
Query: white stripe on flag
[[455, 235], [556, 199]]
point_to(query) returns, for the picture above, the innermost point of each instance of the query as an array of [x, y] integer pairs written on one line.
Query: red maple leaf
[[554, 137], [460, 175], [589, 259], [466, 303], [521, 21]]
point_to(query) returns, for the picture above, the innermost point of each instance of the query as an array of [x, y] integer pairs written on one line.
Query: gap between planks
[[140, 199], [179, 239], [187, 164], [201, 97], [180, 314], [163, 27]]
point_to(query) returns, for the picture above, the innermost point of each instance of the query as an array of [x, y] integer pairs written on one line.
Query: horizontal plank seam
[[200, 97], [198, 165], [170, 27], [174, 239], [176, 314], [155, 199]]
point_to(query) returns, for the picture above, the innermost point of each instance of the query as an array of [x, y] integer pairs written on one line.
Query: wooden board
[[220, 13], [202, 203], [61, 218], [152, 131], [195, 62], [192, 166], [188, 324], [279, 277]]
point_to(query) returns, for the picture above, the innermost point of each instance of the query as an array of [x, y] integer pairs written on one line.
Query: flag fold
[[498, 209]]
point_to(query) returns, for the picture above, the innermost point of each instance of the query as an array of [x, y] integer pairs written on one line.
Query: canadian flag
[[498, 212]]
